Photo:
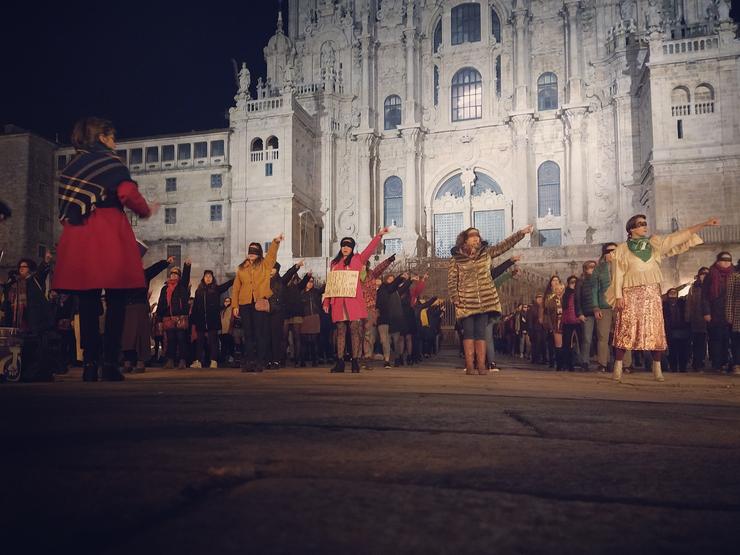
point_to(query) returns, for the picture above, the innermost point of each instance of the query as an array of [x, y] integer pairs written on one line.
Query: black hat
[[255, 248], [347, 242], [277, 266]]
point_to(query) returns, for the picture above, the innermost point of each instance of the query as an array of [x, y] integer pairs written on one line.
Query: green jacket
[[602, 278]]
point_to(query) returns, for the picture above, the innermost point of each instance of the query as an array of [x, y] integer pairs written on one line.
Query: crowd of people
[[96, 299], [570, 326]]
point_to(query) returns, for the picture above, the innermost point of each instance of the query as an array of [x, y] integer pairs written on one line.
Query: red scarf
[[171, 284], [718, 278]]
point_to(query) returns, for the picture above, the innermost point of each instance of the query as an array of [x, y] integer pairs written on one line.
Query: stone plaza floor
[[407, 460]]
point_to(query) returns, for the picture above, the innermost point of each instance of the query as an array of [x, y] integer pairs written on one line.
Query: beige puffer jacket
[[469, 281]]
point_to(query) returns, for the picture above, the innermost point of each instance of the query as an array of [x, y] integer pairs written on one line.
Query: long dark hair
[[339, 257], [463, 236], [549, 288]]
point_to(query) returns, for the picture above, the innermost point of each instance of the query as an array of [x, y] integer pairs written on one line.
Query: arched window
[[484, 183], [393, 201], [392, 111], [704, 99], [547, 92], [257, 145], [272, 142], [680, 102], [467, 95], [437, 37], [465, 23], [453, 186], [548, 189], [495, 25], [436, 85]]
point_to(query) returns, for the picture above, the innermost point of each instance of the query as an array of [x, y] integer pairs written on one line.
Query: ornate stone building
[[434, 115]]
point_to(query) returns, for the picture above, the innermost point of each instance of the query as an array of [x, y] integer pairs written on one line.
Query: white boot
[[617, 375], [657, 372], [214, 364]]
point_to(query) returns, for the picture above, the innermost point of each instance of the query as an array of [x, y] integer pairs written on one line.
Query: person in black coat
[[206, 318], [677, 330], [311, 325], [278, 285], [136, 340], [172, 309], [294, 313], [391, 317]]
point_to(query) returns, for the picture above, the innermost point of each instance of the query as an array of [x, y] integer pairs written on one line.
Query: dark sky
[[152, 67]]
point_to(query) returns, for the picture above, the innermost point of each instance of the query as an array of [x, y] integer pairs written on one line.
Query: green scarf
[[641, 248]]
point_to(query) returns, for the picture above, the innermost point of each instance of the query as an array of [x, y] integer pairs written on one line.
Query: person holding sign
[[634, 291], [344, 298]]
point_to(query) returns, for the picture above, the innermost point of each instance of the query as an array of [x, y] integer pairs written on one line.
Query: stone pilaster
[[574, 81], [525, 203], [574, 120], [520, 19]]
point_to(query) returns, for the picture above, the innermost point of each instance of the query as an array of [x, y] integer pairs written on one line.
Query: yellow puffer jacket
[[469, 281], [252, 281]]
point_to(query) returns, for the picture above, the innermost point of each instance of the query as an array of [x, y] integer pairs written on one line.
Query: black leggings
[[90, 310], [210, 337]]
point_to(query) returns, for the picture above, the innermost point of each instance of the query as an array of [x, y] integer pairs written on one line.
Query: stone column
[[366, 159], [409, 36], [525, 203], [574, 119], [574, 81], [328, 187], [367, 44], [520, 20], [411, 188]]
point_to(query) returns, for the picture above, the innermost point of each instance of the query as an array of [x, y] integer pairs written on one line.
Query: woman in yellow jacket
[[251, 293]]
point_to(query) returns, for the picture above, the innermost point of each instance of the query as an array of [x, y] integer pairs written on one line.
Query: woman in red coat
[[97, 249], [350, 311]]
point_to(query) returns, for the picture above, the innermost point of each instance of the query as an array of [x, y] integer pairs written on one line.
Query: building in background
[[27, 186], [432, 116]]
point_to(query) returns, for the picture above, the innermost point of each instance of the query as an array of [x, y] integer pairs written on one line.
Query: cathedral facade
[[431, 116]]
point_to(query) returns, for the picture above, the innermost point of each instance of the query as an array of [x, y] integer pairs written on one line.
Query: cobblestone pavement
[[408, 460]]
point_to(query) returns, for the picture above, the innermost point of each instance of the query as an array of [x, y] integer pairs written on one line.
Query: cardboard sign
[[342, 283]]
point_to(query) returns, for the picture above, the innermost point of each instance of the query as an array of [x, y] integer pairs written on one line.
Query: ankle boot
[[355, 366], [90, 372], [469, 352], [617, 375], [111, 373], [558, 358], [657, 372], [480, 356], [338, 367]]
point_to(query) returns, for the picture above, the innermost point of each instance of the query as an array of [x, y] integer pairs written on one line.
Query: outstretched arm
[[370, 249], [508, 243], [380, 268], [224, 287]]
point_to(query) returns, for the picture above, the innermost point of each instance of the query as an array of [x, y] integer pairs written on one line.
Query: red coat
[[355, 306], [102, 252]]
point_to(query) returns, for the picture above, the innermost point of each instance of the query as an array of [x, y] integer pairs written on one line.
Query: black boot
[[558, 359], [338, 367], [90, 372], [111, 373], [355, 366]]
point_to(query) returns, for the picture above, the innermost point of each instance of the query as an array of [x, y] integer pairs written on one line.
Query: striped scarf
[[90, 180]]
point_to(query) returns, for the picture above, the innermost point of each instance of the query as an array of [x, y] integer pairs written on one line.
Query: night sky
[[151, 67]]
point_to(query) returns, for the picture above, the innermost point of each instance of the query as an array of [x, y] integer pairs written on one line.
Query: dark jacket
[[390, 308], [586, 297], [602, 275], [311, 301], [674, 317], [714, 307], [278, 285], [207, 305], [695, 308], [294, 298], [180, 297]]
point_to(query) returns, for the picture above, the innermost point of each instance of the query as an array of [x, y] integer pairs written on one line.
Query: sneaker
[[387, 364], [214, 364], [196, 364]]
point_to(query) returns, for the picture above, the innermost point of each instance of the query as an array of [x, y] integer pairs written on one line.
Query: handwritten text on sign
[[342, 284]]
